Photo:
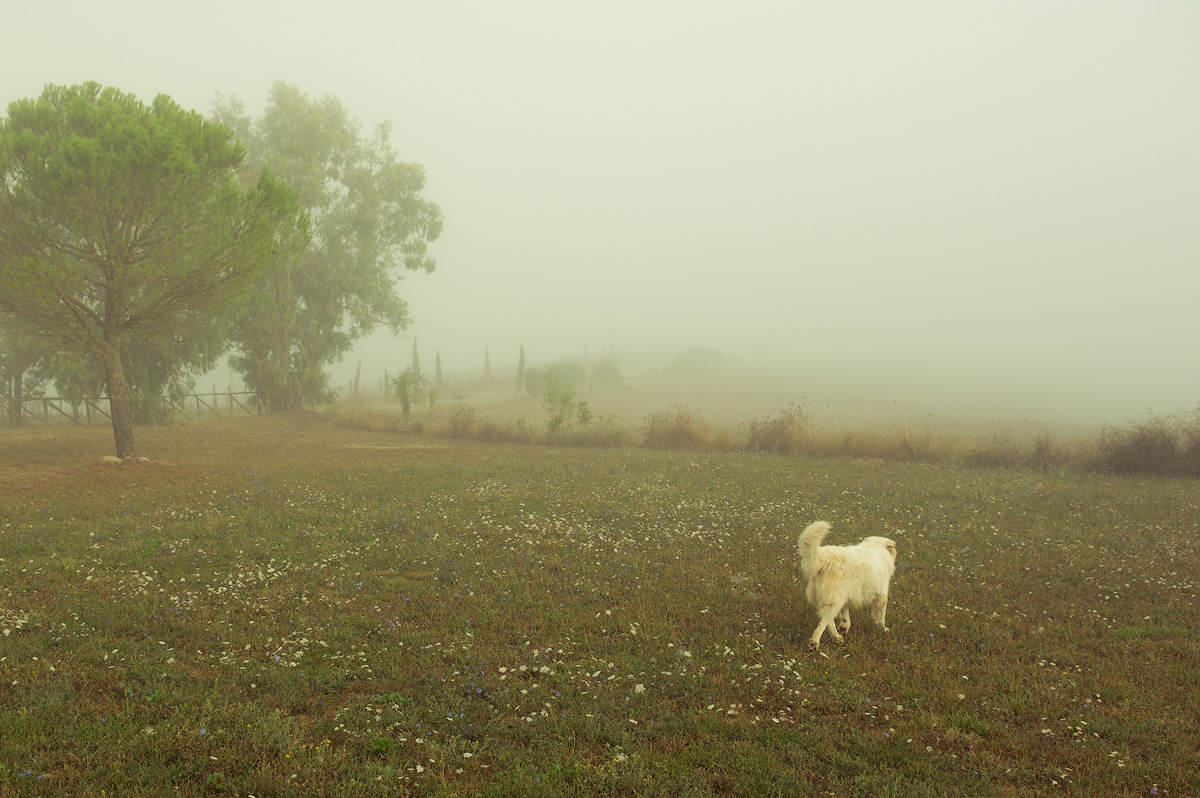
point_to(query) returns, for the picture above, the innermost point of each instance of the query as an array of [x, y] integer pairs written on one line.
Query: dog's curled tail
[[810, 541]]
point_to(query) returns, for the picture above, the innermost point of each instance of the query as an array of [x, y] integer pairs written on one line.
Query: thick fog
[[988, 207]]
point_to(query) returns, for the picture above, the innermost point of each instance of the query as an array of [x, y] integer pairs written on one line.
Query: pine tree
[[416, 361], [123, 231]]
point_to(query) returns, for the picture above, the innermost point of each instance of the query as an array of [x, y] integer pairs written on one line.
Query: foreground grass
[[281, 607]]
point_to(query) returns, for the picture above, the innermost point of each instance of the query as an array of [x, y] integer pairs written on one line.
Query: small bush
[[558, 398], [357, 416], [1047, 453], [534, 380], [684, 429], [409, 386], [603, 434], [787, 432], [571, 372], [999, 451], [148, 408], [607, 375], [1161, 445], [1189, 454], [914, 442], [462, 421], [583, 414], [696, 359]]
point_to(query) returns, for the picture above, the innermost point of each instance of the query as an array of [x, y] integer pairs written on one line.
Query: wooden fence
[[46, 410]]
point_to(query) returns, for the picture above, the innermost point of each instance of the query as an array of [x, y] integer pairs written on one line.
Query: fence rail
[[44, 411]]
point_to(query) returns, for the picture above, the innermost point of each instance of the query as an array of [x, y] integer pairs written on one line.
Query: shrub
[[1160, 445], [1047, 453], [150, 408], [999, 451], [607, 374], [914, 441], [683, 429], [494, 433], [696, 359], [535, 378], [558, 398], [568, 372], [1189, 454], [462, 421], [604, 434], [410, 387], [787, 432], [357, 416], [583, 414]]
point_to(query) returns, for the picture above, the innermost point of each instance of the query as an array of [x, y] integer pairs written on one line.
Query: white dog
[[841, 577]]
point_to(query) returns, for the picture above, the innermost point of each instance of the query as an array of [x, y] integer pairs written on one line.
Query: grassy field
[[277, 606]]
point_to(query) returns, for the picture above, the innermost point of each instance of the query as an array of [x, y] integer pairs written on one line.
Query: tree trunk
[[17, 397], [118, 400]]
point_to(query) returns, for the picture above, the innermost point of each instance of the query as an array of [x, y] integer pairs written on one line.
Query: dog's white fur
[[841, 577]]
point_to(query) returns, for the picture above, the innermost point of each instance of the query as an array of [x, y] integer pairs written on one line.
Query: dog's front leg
[[843, 624]]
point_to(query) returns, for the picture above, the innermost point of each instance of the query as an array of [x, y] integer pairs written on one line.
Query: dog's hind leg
[[879, 611], [827, 613], [843, 620]]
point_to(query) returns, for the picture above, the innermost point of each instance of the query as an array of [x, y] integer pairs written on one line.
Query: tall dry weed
[[788, 431], [1163, 445], [684, 429]]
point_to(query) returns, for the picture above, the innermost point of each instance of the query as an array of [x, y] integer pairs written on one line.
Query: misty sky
[[991, 204]]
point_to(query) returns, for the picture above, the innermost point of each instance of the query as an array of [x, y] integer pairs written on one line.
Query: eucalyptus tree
[[369, 223], [123, 222]]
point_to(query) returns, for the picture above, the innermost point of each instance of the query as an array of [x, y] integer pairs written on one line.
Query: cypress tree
[[521, 370]]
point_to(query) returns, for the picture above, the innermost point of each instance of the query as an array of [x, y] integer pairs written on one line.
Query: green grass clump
[[279, 606]]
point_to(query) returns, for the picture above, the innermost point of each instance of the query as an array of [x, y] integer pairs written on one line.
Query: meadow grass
[[279, 606]]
